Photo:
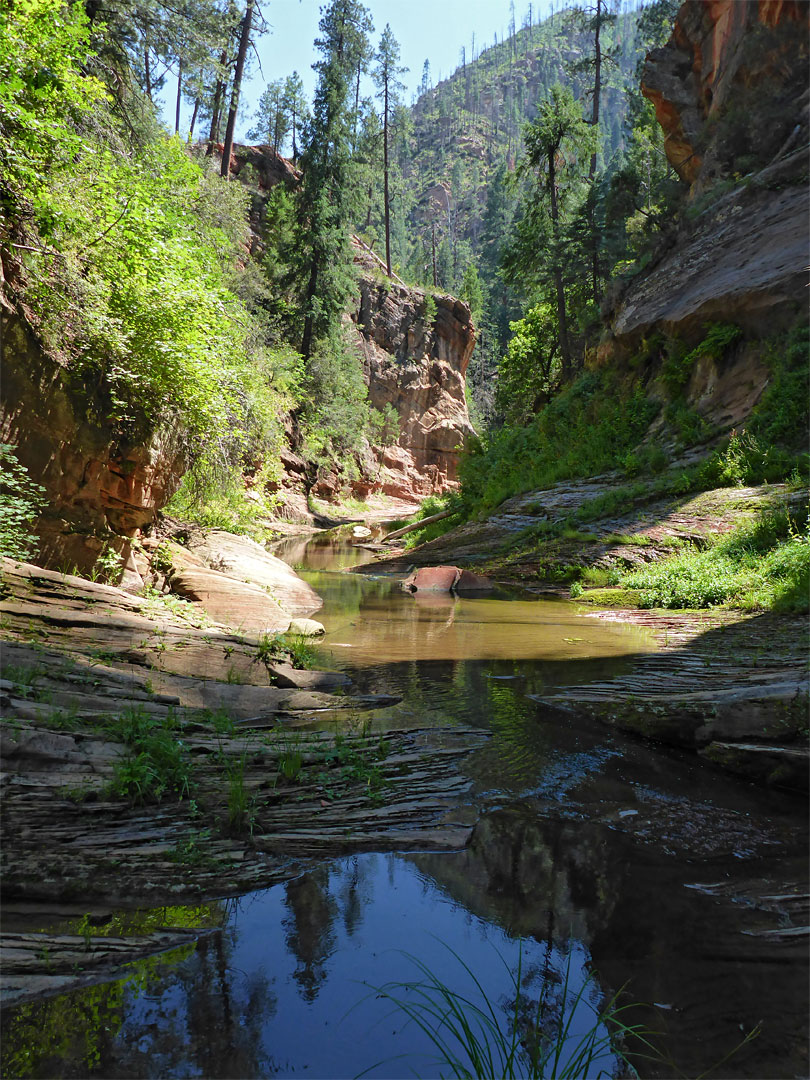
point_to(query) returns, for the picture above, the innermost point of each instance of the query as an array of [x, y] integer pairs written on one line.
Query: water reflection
[[288, 985], [283, 986], [309, 928]]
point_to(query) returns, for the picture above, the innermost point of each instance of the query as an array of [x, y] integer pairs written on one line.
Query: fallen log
[[418, 524]]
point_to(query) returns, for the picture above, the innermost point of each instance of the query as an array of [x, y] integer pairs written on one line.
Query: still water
[[596, 863]]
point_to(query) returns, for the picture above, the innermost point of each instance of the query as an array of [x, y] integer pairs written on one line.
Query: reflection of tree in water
[[309, 928], [354, 892], [187, 1012]]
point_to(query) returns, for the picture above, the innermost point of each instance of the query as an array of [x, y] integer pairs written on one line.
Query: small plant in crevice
[[156, 762], [108, 567], [294, 649], [241, 804]]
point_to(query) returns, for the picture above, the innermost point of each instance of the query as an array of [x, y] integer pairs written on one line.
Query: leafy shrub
[[761, 566], [587, 428], [157, 761], [679, 365], [20, 503]]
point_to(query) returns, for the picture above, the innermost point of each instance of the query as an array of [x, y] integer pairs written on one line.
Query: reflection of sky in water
[[281, 989], [317, 946]]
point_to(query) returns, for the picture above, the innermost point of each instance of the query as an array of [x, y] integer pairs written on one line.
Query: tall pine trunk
[[385, 184], [194, 118], [213, 135], [244, 41], [179, 96], [597, 93], [562, 312], [147, 70]]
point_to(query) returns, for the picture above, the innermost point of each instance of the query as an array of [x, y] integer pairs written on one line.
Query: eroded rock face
[[100, 490], [416, 364], [730, 90], [730, 83]]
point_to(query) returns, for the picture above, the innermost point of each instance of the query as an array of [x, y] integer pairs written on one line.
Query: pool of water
[[597, 864]]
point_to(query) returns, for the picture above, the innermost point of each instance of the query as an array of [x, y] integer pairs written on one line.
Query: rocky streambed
[[450, 775], [152, 754], [732, 686]]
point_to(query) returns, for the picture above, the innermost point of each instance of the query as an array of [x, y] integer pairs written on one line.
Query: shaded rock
[[100, 489], [305, 700], [446, 579], [781, 766], [242, 558], [228, 600], [725, 54]]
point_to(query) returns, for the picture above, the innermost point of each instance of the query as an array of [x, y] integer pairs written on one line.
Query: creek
[[597, 864]]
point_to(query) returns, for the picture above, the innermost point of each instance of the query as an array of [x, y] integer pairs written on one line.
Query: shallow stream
[[597, 864]]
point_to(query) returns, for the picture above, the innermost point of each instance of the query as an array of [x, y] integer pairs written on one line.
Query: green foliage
[[240, 817], [538, 1039], [529, 373], [290, 648], [679, 365], [44, 96], [149, 303], [335, 417], [156, 763], [588, 428], [761, 566], [781, 417], [109, 566], [20, 503]]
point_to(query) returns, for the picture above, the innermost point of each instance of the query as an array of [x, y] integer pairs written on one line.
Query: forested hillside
[[202, 329]]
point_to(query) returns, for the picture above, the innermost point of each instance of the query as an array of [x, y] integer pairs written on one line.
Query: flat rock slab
[[241, 558], [286, 676], [72, 961]]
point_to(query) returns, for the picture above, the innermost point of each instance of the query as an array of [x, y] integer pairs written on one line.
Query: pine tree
[[386, 79], [557, 140], [328, 202]]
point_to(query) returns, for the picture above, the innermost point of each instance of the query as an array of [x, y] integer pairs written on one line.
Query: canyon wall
[[100, 490], [730, 89], [415, 356]]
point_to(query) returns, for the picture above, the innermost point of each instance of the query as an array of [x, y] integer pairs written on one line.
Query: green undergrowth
[[294, 649], [598, 424], [762, 566], [474, 1036], [590, 427]]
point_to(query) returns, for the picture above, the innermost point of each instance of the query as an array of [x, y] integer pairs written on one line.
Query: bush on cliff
[[591, 426]]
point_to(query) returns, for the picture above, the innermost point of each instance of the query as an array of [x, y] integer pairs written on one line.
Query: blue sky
[[433, 30]]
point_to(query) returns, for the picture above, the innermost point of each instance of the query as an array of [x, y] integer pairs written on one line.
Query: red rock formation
[[418, 368], [713, 52], [100, 491]]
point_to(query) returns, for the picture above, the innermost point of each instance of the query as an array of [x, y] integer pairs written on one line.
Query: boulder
[[446, 579], [241, 558], [228, 600], [306, 628]]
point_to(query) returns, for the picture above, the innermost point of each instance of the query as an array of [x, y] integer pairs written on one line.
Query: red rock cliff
[[100, 490], [730, 84], [415, 361]]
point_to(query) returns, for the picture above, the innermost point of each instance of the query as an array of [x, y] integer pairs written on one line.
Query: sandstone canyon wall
[[730, 89], [415, 362], [100, 490]]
